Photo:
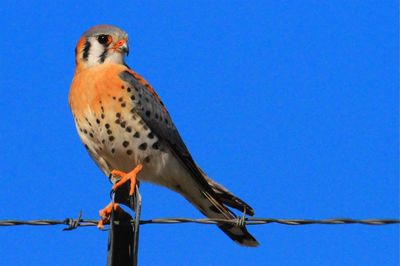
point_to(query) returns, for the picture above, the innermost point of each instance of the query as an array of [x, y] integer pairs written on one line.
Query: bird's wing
[[152, 110]]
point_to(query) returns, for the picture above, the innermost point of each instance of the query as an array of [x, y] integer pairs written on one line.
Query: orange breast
[[92, 85]]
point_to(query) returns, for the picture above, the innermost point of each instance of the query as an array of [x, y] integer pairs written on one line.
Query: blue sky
[[292, 105]]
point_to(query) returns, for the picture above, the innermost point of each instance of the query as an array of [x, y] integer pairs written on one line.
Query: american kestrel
[[129, 133]]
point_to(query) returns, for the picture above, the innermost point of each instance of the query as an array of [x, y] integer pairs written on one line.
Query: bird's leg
[[105, 214], [127, 176]]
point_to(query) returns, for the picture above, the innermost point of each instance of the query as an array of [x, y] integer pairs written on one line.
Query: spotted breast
[[108, 116]]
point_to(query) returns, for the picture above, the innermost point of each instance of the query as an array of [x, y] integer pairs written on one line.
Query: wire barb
[[73, 223]]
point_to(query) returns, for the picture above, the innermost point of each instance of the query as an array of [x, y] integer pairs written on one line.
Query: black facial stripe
[[86, 49], [104, 54]]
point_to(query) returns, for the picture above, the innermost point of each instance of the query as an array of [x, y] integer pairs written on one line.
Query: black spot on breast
[[122, 87], [156, 116], [123, 124], [114, 98], [136, 135], [91, 135], [129, 89], [117, 121], [133, 97], [97, 121], [120, 99], [118, 115], [148, 113], [147, 159], [112, 150], [143, 146], [128, 129], [129, 152], [85, 131], [150, 135], [125, 144], [109, 132], [145, 127], [123, 104], [107, 126], [103, 141], [156, 145], [102, 116], [111, 138]]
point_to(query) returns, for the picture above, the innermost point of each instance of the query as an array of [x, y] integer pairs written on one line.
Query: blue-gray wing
[[153, 112]]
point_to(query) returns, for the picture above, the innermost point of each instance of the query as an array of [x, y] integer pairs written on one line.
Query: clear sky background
[[292, 105]]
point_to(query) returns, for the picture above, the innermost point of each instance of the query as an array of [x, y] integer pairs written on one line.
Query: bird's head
[[101, 44]]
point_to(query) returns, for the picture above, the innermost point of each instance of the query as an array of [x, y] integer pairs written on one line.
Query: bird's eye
[[104, 39]]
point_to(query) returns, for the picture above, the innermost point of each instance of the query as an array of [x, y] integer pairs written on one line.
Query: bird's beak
[[121, 46]]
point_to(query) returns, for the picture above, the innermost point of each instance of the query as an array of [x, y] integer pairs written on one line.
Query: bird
[[129, 133]]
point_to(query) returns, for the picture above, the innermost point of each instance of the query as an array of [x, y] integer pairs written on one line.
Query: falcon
[[129, 133]]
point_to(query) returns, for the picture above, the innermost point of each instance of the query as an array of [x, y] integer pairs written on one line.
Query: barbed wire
[[74, 223]]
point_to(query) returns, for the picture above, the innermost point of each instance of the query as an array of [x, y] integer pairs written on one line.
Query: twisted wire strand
[[74, 223]]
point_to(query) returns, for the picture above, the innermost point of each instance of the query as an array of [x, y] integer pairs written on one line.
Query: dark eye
[[103, 39]]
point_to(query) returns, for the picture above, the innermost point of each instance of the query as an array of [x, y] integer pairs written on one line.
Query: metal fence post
[[123, 237]]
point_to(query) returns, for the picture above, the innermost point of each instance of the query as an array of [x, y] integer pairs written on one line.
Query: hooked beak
[[121, 46]]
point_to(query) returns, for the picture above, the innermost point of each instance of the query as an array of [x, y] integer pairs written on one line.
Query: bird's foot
[[124, 177], [127, 176], [105, 214]]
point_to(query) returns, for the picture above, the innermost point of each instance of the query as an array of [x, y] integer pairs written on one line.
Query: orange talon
[[105, 214], [127, 176]]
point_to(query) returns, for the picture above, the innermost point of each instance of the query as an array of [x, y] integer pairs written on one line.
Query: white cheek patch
[[99, 54], [114, 57], [95, 52]]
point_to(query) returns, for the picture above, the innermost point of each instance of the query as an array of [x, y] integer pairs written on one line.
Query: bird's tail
[[210, 201], [239, 234], [228, 198]]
